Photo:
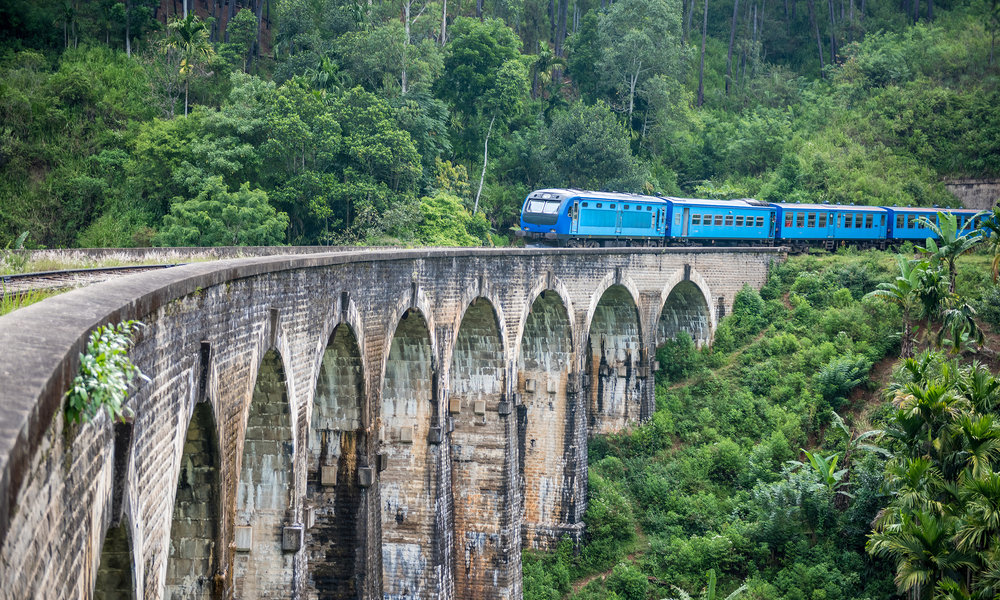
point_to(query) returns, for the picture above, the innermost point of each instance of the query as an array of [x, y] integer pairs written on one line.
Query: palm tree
[[190, 37], [920, 543], [904, 292], [950, 245], [990, 229]]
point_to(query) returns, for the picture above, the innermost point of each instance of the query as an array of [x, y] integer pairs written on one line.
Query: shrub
[[628, 582], [989, 306]]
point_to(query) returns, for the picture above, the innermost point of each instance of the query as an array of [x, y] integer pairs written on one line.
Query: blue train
[[579, 218]]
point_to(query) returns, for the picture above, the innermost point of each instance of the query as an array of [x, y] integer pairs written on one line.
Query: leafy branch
[[106, 375]]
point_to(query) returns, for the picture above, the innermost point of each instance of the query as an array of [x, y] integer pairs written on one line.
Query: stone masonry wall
[[248, 338]]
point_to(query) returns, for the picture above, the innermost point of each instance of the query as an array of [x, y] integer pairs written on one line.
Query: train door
[[661, 220], [774, 222], [618, 218], [831, 227], [684, 222], [574, 226]]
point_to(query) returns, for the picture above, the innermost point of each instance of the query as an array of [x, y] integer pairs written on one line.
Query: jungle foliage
[[345, 122]]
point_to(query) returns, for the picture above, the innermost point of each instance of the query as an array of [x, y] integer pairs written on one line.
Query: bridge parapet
[[415, 386]]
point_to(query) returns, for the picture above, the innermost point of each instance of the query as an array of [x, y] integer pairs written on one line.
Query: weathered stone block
[[328, 475], [291, 538], [243, 539]]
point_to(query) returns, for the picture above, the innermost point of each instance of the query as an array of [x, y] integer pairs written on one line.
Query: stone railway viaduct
[[393, 425]]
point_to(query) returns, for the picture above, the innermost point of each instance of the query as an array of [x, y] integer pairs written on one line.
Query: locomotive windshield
[[545, 207]]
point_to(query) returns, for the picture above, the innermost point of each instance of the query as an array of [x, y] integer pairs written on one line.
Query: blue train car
[[578, 217], [725, 220], [904, 221], [830, 223]]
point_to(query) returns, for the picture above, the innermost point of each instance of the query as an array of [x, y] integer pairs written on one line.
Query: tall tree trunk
[[486, 155], [479, 9], [128, 29], [690, 18], [701, 67], [444, 22], [819, 40], [930, 10], [186, 81], [732, 40], [850, 35], [833, 33], [916, 10], [260, 26], [561, 28], [406, 41], [229, 18], [184, 3], [633, 81]]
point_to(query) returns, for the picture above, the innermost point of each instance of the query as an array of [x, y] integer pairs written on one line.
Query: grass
[[11, 302]]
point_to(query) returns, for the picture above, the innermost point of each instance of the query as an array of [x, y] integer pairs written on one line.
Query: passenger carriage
[[710, 221]]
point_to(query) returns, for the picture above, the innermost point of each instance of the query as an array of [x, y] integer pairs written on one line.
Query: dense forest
[[203, 122]]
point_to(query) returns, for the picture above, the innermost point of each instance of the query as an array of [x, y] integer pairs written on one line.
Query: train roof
[[573, 193], [925, 209], [795, 206], [745, 203]]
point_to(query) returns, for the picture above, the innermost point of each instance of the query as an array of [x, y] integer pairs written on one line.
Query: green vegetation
[[328, 121], [106, 375], [770, 454], [10, 301]]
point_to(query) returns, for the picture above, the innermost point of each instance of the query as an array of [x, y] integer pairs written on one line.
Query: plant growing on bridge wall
[[106, 375]]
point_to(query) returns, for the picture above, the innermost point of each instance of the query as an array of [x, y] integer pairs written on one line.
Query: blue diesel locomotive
[[579, 218]]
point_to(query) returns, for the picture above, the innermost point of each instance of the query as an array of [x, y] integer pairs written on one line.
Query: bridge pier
[[393, 426]]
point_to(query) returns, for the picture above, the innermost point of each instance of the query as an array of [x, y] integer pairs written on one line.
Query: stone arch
[[686, 308], [193, 556], [479, 452], [410, 442], [115, 578], [333, 490], [547, 421], [470, 299], [549, 285], [688, 277], [264, 492], [612, 362]]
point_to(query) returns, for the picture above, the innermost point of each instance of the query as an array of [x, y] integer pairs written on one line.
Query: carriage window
[[649, 208], [677, 219], [612, 206], [749, 221], [800, 219], [739, 221], [600, 205], [859, 220], [899, 221], [909, 221], [718, 219], [882, 221], [626, 207], [868, 220], [811, 220], [729, 220], [822, 219], [696, 219], [788, 219], [760, 221], [848, 221]]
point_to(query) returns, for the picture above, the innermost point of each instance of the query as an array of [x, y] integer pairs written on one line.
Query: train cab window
[[822, 220], [739, 221], [811, 220], [799, 219], [729, 221], [760, 221], [868, 220], [718, 220], [696, 219]]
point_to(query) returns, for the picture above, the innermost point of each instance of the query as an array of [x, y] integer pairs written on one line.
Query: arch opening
[[332, 487], [685, 310], [194, 528], [408, 485], [115, 579], [613, 352], [479, 453], [263, 495], [546, 432]]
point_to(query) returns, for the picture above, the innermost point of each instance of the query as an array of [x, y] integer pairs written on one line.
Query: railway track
[[54, 280]]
